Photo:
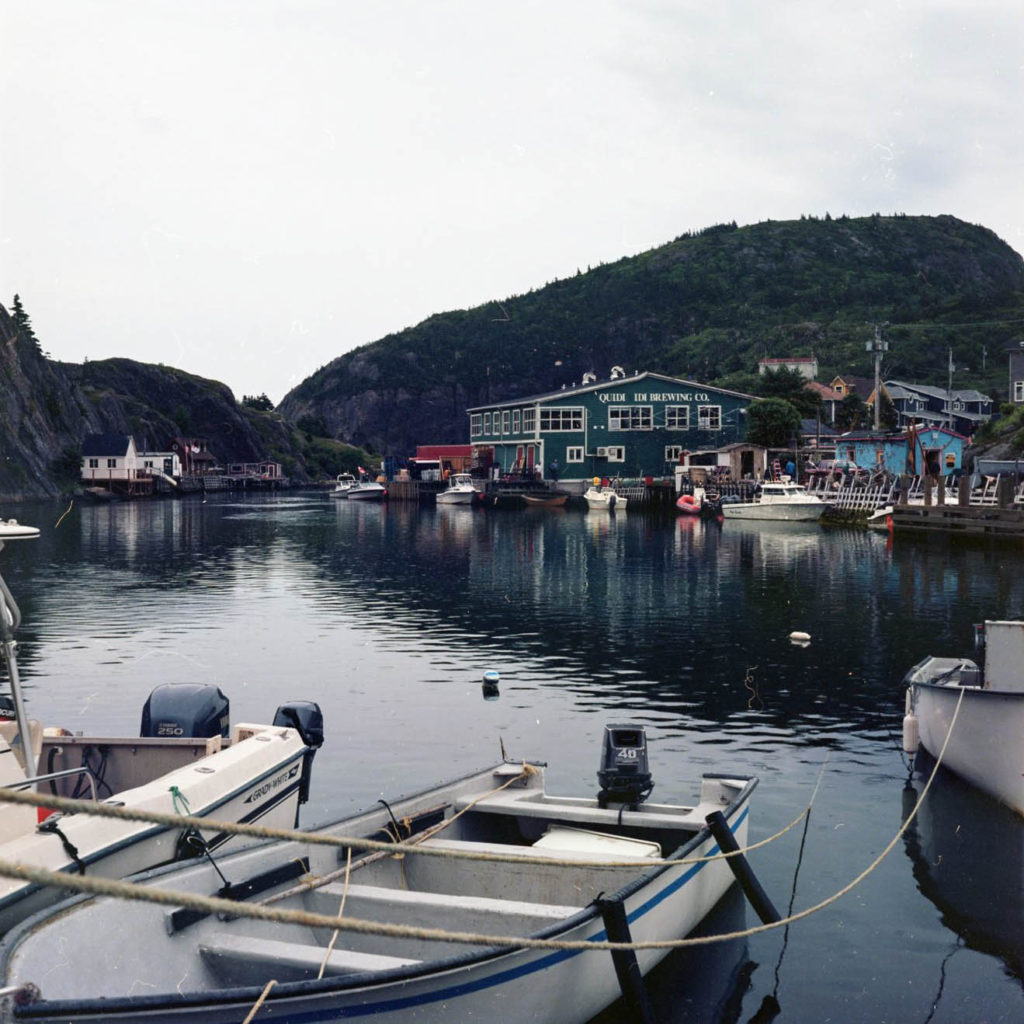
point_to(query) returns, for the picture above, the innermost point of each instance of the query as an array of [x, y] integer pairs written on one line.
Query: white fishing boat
[[186, 760], [547, 867], [343, 484], [367, 489], [460, 491], [784, 502], [602, 498], [985, 744]]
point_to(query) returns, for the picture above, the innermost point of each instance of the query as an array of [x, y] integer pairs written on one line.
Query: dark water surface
[[389, 616]]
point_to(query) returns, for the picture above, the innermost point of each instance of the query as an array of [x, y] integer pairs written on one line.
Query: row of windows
[[95, 464], [617, 453], [620, 417]]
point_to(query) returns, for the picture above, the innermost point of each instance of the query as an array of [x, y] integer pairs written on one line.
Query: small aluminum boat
[[559, 868]]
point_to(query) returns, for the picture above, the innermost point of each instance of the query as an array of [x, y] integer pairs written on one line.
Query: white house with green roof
[[626, 426]]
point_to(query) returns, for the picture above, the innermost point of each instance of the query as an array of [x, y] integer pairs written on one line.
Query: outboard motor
[[306, 718], [185, 710], [623, 775]]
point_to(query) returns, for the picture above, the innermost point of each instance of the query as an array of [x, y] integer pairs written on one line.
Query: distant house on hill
[[806, 366], [1015, 391], [964, 409], [849, 384], [829, 398]]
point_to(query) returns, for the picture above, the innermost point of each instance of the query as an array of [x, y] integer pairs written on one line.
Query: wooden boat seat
[[242, 959]]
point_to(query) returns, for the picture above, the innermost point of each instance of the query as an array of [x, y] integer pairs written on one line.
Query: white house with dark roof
[[112, 462]]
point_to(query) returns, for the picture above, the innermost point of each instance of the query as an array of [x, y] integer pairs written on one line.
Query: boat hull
[[251, 781], [985, 745], [456, 497], [798, 512]]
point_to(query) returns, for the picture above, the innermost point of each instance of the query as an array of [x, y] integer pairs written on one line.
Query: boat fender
[[911, 736], [798, 636]]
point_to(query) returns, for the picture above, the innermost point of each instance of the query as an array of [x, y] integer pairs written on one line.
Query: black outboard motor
[[176, 710], [306, 718], [623, 774]]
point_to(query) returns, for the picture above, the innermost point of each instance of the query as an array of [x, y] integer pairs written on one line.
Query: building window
[[630, 417], [709, 417], [574, 454], [529, 421], [677, 417], [111, 463], [475, 424], [487, 422], [617, 453], [1018, 390], [94, 463], [506, 419], [515, 421], [561, 419], [672, 452]]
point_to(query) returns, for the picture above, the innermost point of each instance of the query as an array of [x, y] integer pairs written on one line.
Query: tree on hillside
[[790, 385], [258, 402], [23, 323], [772, 422], [852, 413]]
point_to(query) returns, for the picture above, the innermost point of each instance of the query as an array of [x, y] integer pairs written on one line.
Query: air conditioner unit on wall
[[602, 453]]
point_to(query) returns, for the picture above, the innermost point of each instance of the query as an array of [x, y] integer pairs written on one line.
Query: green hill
[[705, 306]]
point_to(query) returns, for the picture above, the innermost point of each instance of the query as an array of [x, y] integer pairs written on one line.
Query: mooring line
[[106, 810]]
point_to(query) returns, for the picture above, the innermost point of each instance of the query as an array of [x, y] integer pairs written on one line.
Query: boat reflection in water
[[700, 984], [968, 856]]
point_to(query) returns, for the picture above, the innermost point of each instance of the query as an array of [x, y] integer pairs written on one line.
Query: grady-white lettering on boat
[[565, 868], [985, 745], [186, 760], [787, 502]]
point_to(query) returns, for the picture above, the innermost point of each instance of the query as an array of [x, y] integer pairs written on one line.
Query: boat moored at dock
[[984, 743], [492, 856]]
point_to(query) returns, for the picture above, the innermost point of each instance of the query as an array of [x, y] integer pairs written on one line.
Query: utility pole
[[949, 394], [878, 346]]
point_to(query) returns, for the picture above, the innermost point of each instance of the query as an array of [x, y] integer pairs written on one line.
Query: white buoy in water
[[910, 734], [799, 637]]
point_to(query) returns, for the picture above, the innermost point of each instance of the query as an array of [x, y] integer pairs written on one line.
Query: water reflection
[[967, 853]]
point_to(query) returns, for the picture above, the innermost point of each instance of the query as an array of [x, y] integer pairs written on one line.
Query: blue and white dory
[[492, 856]]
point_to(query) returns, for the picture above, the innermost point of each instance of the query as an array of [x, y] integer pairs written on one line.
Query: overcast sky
[[246, 190]]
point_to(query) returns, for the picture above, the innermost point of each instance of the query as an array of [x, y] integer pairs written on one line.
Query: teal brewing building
[[625, 426]]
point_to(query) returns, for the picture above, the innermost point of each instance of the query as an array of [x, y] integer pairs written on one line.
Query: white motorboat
[[460, 491], [366, 489], [786, 502], [342, 485], [985, 745], [557, 868], [187, 760], [600, 497]]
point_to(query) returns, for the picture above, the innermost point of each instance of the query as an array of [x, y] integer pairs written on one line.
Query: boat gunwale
[[119, 1007]]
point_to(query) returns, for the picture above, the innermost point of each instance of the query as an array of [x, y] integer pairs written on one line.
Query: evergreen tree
[[23, 323]]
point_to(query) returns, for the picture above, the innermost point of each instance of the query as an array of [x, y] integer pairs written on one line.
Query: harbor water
[[388, 616]]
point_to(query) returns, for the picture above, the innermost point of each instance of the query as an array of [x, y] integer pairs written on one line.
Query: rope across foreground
[[215, 905]]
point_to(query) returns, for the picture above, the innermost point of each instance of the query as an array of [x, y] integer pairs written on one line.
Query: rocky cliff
[[47, 408]]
